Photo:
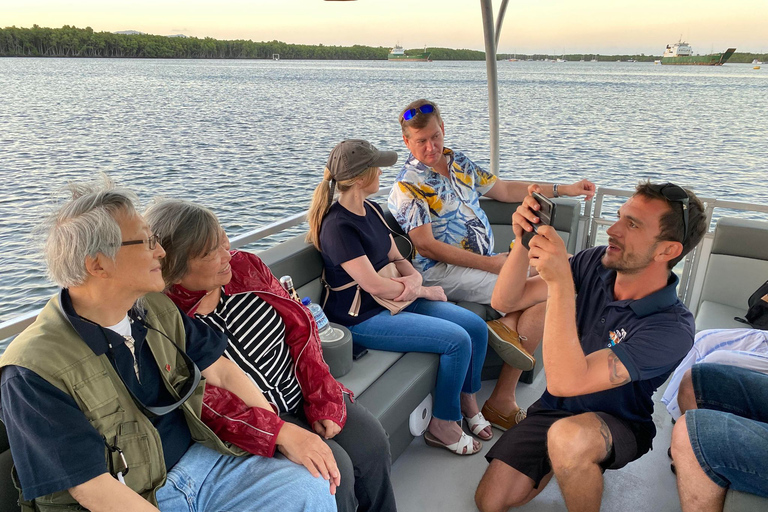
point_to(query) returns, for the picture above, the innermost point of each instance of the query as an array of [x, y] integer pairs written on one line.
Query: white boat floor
[[432, 479]]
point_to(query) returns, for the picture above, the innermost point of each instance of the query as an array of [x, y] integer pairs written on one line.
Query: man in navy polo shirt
[[605, 352]]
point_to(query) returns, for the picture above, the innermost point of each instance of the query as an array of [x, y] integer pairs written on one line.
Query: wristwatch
[[554, 191]]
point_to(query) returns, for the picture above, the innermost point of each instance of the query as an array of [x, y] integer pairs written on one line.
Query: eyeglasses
[[151, 242], [424, 109], [677, 194]]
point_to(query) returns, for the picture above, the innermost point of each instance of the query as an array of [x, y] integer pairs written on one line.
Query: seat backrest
[[738, 263]]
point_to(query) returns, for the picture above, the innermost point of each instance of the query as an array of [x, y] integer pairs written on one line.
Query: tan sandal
[[500, 421]]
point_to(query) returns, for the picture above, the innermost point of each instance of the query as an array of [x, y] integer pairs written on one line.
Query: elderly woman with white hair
[[101, 395]]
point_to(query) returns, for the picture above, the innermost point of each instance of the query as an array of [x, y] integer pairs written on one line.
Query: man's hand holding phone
[[531, 224], [535, 211]]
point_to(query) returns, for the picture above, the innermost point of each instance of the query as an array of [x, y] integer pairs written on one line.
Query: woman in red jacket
[[275, 342]]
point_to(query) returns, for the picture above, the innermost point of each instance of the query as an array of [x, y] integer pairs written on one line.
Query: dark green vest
[[52, 349]]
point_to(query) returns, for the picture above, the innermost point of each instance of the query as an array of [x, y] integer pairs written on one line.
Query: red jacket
[[323, 395]]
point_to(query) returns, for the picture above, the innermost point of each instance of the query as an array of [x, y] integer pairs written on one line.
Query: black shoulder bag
[[757, 314]]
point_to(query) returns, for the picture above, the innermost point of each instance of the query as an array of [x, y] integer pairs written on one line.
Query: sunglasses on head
[[677, 194], [411, 112]]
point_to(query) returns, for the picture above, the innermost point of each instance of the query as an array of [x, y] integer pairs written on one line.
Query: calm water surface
[[250, 138]]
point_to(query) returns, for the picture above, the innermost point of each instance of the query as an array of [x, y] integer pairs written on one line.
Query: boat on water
[[398, 53], [681, 53]]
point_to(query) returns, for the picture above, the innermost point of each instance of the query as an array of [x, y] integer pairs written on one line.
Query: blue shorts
[[729, 430]]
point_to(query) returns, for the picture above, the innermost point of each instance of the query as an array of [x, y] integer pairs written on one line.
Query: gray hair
[[85, 226], [186, 230]]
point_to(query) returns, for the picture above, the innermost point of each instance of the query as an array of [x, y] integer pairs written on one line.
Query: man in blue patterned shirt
[[435, 200]]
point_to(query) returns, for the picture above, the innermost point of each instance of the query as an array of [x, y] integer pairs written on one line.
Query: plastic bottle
[[323, 326]]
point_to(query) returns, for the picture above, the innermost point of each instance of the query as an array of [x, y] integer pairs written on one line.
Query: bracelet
[[554, 191]]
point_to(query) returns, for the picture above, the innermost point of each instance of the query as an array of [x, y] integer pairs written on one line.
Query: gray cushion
[[741, 237], [369, 368], [296, 258], [736, 501], [732, 279], [713, 315]]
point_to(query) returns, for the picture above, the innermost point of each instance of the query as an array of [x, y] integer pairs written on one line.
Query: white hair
[[84, 226]]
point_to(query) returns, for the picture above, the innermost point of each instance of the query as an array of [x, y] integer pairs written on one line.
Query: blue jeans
[[729, 430], [205, 480], [457, 334]]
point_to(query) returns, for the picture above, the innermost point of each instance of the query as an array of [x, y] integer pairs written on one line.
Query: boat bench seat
[[737, 265], [392, 384]]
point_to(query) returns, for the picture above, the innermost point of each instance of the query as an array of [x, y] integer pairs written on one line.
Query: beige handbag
[[387, 271]]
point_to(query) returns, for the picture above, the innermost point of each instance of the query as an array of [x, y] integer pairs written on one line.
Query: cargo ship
[[681, 53], [398, 53]]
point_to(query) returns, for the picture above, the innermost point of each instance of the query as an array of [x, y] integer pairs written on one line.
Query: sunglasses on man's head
[[677, 194], [411, 112]]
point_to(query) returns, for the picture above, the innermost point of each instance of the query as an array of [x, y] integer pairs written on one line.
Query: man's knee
[[499, 490], [574, 441], [681, 441]]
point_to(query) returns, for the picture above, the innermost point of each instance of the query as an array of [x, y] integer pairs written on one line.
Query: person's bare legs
[[686, 398], [576, 447], [503, 487], [698, 493], [528, 323]]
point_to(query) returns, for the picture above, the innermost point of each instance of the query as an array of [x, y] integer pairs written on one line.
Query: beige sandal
[[477, 424], [464, 446]]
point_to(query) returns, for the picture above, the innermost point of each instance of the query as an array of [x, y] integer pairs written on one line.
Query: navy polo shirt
[[345, 236], [650, 336], [54, 447]]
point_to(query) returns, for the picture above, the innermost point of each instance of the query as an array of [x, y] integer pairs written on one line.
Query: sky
[[544, 26]]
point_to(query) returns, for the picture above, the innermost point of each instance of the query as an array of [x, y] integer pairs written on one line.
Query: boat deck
[[429, 479]]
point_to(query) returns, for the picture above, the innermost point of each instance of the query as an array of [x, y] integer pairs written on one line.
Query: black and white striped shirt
[[256, 343]]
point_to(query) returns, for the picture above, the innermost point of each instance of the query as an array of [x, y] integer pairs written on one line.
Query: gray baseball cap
[[351, 157]]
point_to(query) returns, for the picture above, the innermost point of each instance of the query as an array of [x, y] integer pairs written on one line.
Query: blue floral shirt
[[452, 205]]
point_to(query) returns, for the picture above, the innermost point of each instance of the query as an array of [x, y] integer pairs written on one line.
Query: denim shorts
[[729, 430]]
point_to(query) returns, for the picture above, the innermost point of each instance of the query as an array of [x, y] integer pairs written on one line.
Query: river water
[[250, 138]]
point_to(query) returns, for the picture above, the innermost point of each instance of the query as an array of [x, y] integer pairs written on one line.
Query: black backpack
[[757, 314]]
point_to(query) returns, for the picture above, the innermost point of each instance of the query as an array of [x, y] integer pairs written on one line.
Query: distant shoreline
[[73, 42]]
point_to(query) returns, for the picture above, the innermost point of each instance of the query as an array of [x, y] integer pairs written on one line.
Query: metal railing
[[15, 325]]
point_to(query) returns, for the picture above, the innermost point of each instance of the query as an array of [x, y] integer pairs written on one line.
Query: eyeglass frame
[[411, 112], [683, 201], [151, 241]]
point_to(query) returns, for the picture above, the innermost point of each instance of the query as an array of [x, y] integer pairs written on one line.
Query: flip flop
[[477, 424], [464, 446]]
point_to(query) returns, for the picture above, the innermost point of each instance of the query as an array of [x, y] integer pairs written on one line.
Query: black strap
[[410, 244]]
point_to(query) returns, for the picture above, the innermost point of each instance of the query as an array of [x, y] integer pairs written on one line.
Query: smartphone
[[358, 351], [546, 215]]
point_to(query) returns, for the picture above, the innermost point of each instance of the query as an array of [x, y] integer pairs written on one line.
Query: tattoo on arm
[[606, 433], [616, 369]]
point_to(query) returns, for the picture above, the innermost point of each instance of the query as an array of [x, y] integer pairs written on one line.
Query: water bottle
[[323, 326]]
